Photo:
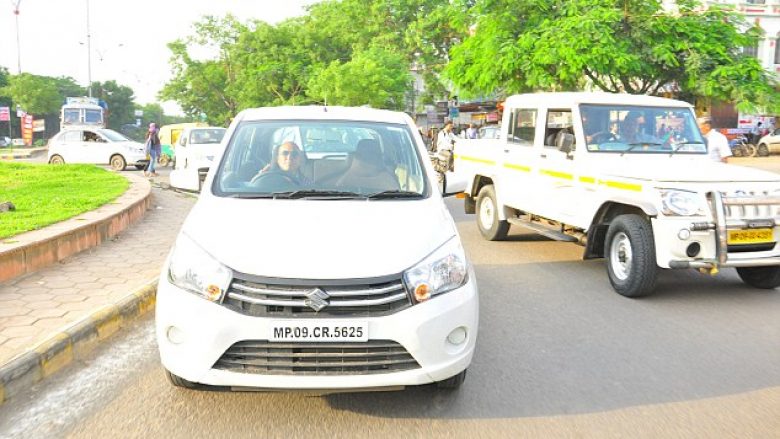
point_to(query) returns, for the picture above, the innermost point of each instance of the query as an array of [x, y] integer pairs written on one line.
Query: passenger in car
[[287, 160], [367, 171]]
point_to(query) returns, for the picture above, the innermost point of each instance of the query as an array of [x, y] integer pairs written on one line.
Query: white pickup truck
[[628, 177]]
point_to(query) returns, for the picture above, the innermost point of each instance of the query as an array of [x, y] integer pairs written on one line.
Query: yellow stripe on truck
[[474, 159], [517, 167], [557, 174], [620, 185]]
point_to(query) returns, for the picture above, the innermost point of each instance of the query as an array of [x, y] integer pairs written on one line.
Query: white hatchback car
[[339, 269], [99, 146]]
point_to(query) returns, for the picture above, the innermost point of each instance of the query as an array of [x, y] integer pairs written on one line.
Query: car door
[[92, 149], [70, 145], [182, 151], [517, 172], [774, 141], [557, 183]]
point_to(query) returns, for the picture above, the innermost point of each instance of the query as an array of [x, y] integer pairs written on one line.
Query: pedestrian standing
[[153, 149], [471, 132], [717, 144], [757, 133]]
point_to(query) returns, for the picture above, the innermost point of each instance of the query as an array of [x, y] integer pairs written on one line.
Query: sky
[[128, 37]]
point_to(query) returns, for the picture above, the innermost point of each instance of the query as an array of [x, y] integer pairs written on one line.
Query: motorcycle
[[741, 147]]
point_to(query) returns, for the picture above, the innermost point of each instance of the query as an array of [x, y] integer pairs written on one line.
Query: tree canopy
[[633, 46]]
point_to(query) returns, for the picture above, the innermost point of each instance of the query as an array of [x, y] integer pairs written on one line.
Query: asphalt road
[[559, 353]]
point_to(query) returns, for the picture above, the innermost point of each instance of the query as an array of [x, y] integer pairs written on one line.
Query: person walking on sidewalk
[[153, 149]]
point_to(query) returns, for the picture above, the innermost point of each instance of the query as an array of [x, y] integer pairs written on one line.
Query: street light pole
[[18, 46], [89, 56]]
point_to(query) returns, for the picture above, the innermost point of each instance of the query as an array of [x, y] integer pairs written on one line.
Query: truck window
[[523, 126], [559, 123]]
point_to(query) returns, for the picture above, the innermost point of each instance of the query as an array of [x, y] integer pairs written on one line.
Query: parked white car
[[99, 146], [339, 269], [769, 144], [195, 152], [628, 177]]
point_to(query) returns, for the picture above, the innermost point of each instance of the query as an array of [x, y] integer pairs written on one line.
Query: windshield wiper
[[631, 146], [393, 194], [250, 195], [680, 145], [315, 193]]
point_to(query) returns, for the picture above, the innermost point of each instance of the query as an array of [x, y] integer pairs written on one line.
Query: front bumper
[[209, 329], [712, 237]]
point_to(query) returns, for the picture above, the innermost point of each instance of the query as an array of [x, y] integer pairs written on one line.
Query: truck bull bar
[[718, 204]]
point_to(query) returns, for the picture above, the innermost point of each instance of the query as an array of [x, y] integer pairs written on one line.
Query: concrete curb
[[22, 155], [73, 342], [31, 251]]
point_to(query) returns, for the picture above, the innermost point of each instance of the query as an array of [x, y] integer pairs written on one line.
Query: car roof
[[570, 99], [320, 112]]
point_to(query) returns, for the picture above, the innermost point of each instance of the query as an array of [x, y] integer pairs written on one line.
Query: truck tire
[[630, 252], [488, 223], [766, 278]]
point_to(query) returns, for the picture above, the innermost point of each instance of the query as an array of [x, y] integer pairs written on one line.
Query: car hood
[[319, 239], [687, 171]]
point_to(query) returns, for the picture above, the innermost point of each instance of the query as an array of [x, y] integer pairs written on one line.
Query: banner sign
[[27, 129], [5, 114], [39, 125]]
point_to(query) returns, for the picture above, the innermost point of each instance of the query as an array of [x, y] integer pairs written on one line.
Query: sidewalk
[[38, 306], [21, 153]]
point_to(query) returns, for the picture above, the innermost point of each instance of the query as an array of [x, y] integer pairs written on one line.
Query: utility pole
[[89, 56], [18, 46]]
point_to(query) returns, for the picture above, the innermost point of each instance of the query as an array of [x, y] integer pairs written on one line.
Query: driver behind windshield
[[286, 160], [632, 129]]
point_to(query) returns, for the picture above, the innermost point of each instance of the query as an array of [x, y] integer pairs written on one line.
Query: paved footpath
[[35, 306]]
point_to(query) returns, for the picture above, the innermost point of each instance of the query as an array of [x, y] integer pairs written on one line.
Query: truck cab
[[630, 178]]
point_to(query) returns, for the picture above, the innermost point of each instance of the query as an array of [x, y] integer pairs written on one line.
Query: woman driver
[[287, 159]]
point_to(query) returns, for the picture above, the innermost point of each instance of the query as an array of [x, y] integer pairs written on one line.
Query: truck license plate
[[753, 236], [318, 330]]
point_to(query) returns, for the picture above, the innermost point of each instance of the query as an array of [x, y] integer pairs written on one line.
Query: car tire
[[181, 382], [763, 150], [766, 278], [488, 223], [140, 167], [117, 163], [56, 160], [630, 254], [453, 382], [164, 160]]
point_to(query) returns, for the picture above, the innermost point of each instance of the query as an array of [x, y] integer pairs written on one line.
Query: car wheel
[[56, 160], [118, 163], [630, 256], [181, 382], [763, 150], [164, 160], [766, 278], [452, 382], [489, 225]]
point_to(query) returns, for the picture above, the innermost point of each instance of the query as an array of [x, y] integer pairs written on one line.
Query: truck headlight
[[676, 202], [443, 270], [194, 270]]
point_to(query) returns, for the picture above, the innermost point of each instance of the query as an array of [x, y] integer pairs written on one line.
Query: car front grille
[[748, 212], [357, 298], [269, 358]]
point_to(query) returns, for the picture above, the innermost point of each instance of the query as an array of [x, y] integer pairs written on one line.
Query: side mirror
[[183, 141], [565, 143]]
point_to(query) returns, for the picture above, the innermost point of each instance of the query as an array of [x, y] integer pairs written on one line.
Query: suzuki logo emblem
[[316, 299]]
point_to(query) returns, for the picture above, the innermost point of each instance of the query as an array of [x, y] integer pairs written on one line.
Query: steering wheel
[[273, 181], [601, 137]]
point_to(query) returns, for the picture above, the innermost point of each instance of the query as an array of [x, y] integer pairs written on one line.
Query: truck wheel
[[489, 225], [631, 256], [763, 150], [118, 163], [766, 278]]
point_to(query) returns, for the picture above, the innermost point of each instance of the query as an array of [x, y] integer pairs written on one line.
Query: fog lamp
[[684, 234], [175, 335], [457, 336]]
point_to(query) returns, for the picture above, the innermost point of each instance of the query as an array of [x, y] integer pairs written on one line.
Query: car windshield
[[641, 129], [207, 136], [93, 116], [321, 159], [113, 136]]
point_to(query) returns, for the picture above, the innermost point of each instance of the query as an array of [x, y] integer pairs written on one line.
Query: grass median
[[46, 194]]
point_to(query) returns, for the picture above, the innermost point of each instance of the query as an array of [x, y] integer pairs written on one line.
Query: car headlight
[[443, 270], [194, 270], [682, 203]]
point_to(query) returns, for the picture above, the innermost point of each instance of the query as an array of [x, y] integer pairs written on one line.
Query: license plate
[[318, 330], [752, 236]]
